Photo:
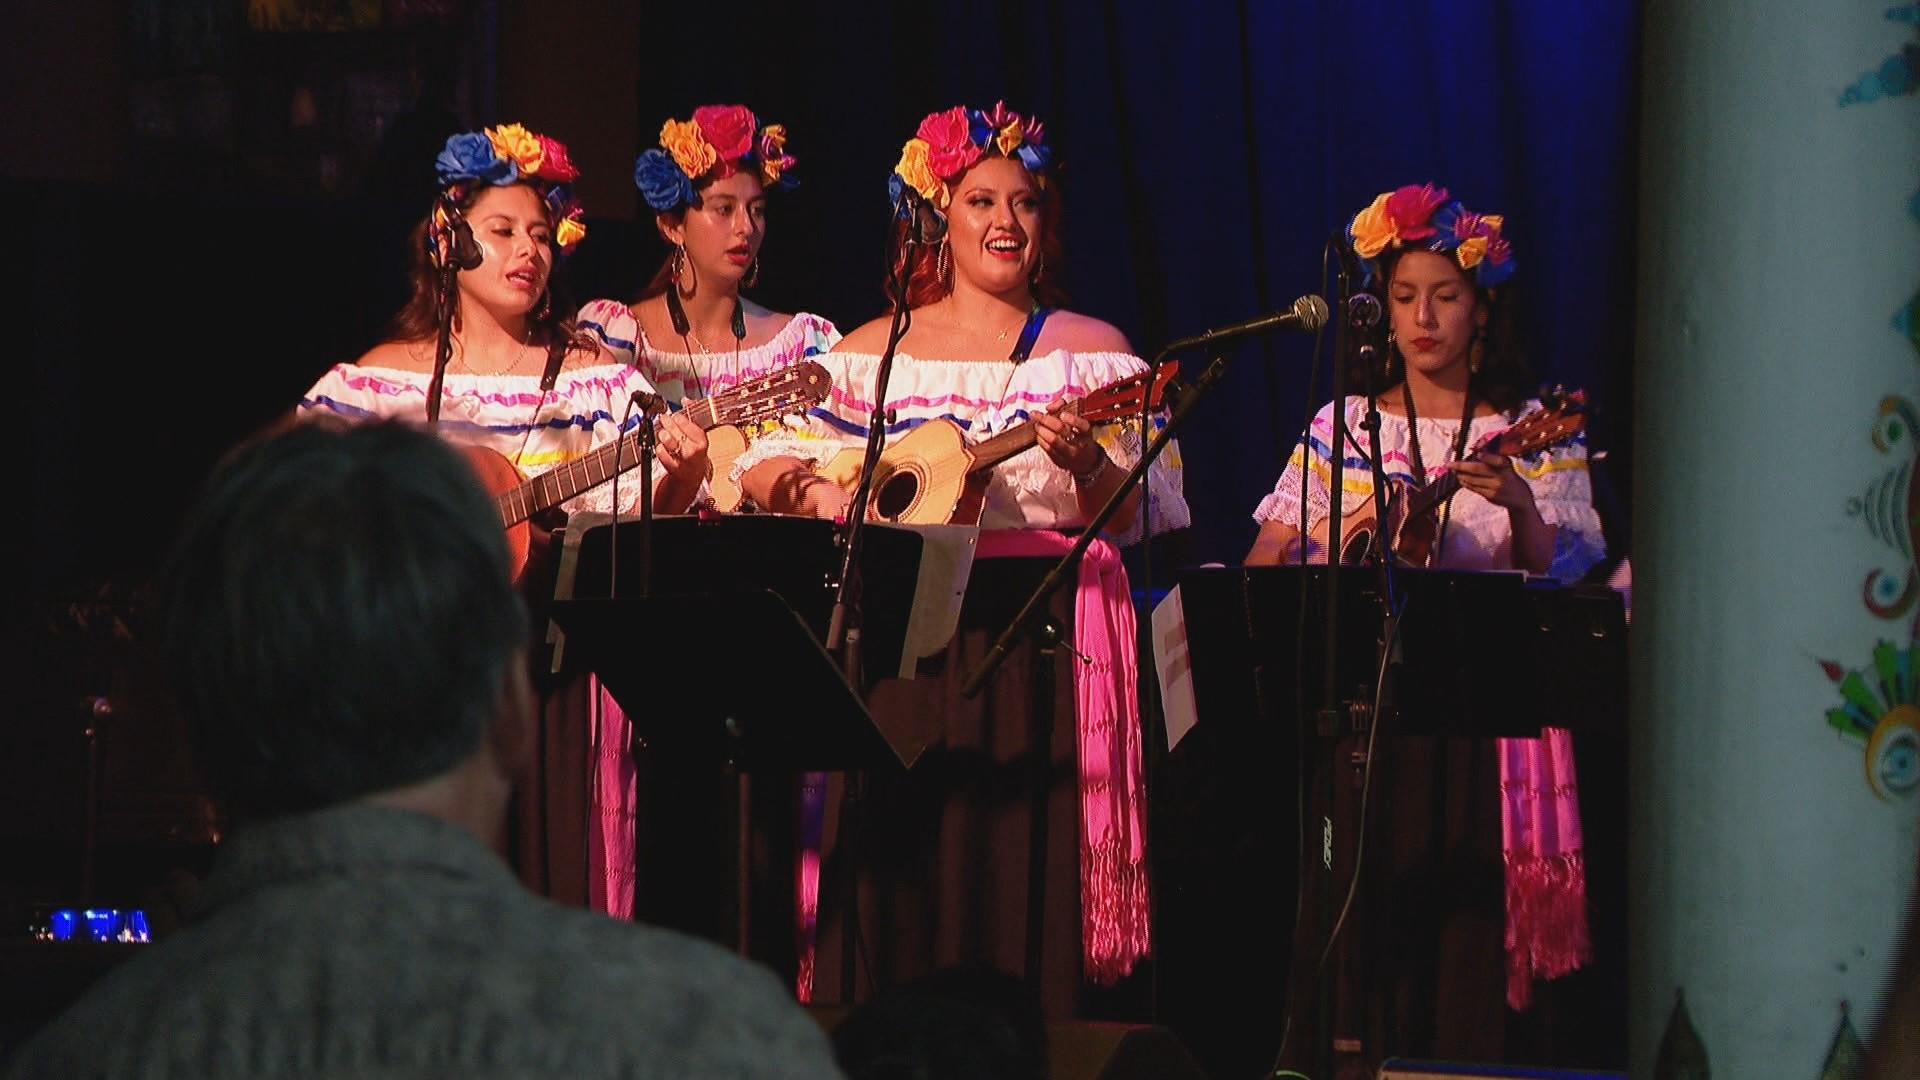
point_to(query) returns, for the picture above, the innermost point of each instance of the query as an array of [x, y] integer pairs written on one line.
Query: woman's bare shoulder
[[1075, 332]]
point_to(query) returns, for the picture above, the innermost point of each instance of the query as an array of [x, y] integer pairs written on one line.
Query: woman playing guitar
[[691, 332], [1478, 853], [525, 394], [988, 354], [1453, 374]]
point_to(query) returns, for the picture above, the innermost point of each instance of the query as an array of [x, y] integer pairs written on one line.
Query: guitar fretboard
[[563, 482]]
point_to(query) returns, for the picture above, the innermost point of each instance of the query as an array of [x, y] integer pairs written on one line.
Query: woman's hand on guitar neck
[[1492, 477], [1067, 438], [681, 447]]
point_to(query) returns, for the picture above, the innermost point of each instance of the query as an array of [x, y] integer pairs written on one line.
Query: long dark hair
[[1505, 379], [416, 322], [927, 285]]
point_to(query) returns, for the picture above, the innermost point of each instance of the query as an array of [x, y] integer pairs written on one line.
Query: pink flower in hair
[[950, 146], [1411, 210]]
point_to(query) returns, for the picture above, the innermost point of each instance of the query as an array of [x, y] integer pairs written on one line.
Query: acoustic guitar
[[790, 390], [933, 476], [1413, 512]]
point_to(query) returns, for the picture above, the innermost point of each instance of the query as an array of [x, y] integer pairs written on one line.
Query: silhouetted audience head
[[337, 617], [959, 1023]]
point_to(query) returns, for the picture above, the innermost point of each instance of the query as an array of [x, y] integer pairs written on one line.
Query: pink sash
[[1113, 875], [1546, 873]]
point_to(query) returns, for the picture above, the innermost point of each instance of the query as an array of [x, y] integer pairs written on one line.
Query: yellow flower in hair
[[1012, 134], [689, 148], [518, 145], [1471, 251], [568, 233], [1372, 229], [773, 140], [919, 175]]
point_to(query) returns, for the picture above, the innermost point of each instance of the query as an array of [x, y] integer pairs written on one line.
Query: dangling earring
[[943, 266], [1039, 269], [1476, 352], [679, 263], [753, 274], [546, 306]]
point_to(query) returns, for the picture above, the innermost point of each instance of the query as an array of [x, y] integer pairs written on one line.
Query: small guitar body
[[922, 479], [1413, 514], [933, 476], [725, 444]]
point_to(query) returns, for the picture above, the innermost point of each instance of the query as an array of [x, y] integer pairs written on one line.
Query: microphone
[[648, 404], [1363, 310], [1308, 313], [925, 224]]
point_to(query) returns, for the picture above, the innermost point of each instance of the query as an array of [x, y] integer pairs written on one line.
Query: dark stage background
[[208, 214]]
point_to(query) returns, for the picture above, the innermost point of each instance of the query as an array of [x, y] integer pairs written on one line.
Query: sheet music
[[1175, 667], [946, 562]]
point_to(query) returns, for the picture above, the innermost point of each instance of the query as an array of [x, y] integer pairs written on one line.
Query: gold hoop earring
[[753, 274], [1039, 268], [943, 265], [679, 263]]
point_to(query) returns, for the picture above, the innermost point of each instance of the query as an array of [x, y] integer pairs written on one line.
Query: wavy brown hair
[[417, 321]]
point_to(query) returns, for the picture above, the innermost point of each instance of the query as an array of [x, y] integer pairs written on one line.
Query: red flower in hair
[[1411, 210], [728, 129], [950, 146], [554, 164]]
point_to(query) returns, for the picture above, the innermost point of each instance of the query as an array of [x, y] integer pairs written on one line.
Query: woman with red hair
[[943, 861]]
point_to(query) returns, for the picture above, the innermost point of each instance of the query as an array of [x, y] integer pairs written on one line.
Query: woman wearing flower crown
[[1474, 821], [691, 332], [1452, 373], [989, 350], [519, 381]]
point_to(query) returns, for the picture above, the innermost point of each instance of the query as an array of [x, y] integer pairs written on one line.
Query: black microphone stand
[[843, 631], [1327, 720]]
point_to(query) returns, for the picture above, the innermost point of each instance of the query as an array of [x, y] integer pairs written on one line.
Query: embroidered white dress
[[682, 377], [1478, 535], [508, 414], [986, 397]]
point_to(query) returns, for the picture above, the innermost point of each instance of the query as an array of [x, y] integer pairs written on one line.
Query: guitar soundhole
[[896, 495], [1358, 548]]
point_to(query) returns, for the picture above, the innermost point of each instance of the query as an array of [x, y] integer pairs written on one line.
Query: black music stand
[[721, 671], [1483, 655]]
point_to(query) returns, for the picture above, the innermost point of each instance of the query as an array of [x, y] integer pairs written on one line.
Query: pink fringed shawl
[[1113, 876], [615, 796], [1546, 873]]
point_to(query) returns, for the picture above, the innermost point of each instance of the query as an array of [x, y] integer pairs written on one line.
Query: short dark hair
[[337, 617]]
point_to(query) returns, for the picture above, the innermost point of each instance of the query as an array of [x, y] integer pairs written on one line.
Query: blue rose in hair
[[472, 157], [661, 181]]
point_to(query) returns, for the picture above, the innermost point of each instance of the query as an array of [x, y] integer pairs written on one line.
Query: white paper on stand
[[946, 562], [1174, 666]]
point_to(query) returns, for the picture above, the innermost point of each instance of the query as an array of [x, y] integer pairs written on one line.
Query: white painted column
[[1779, 243]]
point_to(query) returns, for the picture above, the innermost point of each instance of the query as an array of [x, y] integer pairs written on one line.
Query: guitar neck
[[1428, 499], [563, 482], [998, 448]]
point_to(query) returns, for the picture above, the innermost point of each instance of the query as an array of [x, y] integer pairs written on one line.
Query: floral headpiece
[[719, 141], [1421, 217], [951, 142], [510, 154]]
